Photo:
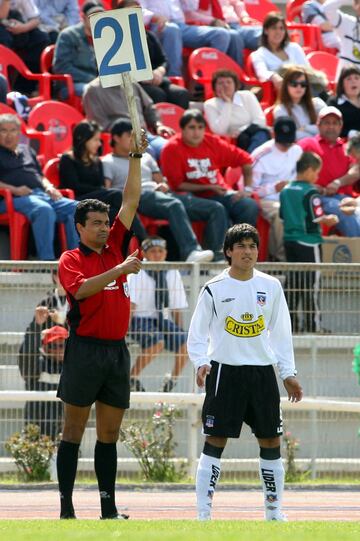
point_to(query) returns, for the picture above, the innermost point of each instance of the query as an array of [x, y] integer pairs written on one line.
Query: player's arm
[[197, 343], [132, 188]]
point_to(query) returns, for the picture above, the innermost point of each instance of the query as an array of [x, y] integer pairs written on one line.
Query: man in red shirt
[[338, 172], [193, 162], [97, 364]]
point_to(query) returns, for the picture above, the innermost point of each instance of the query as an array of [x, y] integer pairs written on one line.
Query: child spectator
[[302, 213], [157, 297]]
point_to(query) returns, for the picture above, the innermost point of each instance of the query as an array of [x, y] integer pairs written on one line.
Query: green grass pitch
[[136, 530]]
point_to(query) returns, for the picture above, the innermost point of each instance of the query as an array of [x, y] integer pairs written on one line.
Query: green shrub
[[32, 453], [152, 443]]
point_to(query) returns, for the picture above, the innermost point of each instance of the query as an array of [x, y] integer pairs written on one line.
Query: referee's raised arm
[[132, 189]]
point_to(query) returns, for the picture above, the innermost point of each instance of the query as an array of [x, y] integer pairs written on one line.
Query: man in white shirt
[[347, 28], [167, 19], [239, 330], [274, 166]]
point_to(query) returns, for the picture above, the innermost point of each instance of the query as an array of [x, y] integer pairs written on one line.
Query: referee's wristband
[[135, 155]]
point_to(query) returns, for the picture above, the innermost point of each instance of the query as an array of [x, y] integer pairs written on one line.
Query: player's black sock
[[105, 469], [66, 463]]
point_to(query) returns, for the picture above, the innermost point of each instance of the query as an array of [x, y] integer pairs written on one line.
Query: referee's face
[[95, 232], [243, 255]]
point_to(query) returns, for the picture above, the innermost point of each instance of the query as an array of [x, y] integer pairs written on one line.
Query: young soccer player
[[157, 298], [239, 331], [302, 214]]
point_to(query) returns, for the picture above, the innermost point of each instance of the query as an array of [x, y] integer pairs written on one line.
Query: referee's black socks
[[66, 462], [105, 469]]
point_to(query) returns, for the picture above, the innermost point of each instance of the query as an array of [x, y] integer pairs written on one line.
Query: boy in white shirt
[[239, 330], [157, 298]]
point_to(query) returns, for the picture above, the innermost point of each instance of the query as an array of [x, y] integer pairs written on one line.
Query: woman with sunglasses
[[276, 50], [295, 100]]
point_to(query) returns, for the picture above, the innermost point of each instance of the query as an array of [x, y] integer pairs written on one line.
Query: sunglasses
[[295, 84]]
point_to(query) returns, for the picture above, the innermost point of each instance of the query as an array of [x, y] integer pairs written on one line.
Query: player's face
[[156, 253], [96, 230], [193, 133], [243, 255]]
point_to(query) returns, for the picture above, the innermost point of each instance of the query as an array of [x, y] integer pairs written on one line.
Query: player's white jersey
[[242, 323]]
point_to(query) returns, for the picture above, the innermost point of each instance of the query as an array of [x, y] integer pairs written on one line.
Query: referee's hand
[[294, 389], [131, 265]]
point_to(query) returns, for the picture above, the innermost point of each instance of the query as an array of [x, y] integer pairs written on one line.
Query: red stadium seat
[[18, 226], [57, 118], [326, 62], [258, 9], [170, 114], [203, 62], [10, 63]]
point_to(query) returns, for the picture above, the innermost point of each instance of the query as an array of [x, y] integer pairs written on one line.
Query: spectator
[[302, 213], [346, 28], [105, 105], [157, 298], [47, 363], [295, 100], [19, 30], [160, 89], [338, 172], [235, 112], [347, 99], [33, 194], [209, 12], [312, 12], [167, 20], [74, 51], [192, 162], [49, 312], [274, 166], [156, 201], [276, 50], [55, 16]]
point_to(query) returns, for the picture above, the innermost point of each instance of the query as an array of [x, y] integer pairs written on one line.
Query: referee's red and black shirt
[[106, 314]]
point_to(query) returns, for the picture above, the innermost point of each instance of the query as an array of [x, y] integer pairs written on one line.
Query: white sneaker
[[197, 256], [204, 517]]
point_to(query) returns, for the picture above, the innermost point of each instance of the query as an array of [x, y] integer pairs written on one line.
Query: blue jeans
[[166, 206], [349, 226], [156, 144], [43, 213], [175, 36], [244, 210], [211, 212]]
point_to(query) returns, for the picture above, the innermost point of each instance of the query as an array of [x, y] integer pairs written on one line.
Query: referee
[[96, 363], [239, 330]]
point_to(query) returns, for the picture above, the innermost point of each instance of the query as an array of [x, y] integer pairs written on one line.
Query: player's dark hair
[[308, 160], [89, 205], [192, 114], [236, 234]]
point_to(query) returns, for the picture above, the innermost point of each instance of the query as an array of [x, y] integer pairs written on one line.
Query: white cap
[[329, 110]]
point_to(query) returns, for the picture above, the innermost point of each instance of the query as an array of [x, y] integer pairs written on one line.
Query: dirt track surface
[[329, 505]]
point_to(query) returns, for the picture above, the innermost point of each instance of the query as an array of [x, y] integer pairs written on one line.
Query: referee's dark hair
[[308, 160], [89, 205], [192, 114], [237, 233]]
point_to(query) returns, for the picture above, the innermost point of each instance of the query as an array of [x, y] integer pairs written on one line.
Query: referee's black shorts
[[237, 394], [93, 370]]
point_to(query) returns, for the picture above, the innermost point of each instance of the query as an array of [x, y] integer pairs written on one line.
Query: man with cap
[[274, 166], [338, 172], [45, 377], [156, 200], [74, 50]]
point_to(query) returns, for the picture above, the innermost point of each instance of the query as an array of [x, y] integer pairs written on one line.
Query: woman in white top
[[235, 113], [276, 50], [295, 100]]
